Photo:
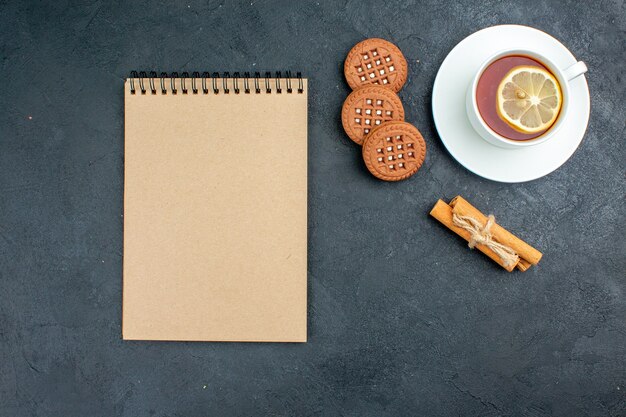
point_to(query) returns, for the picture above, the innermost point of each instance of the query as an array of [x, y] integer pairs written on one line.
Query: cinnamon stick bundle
[[497, 243]]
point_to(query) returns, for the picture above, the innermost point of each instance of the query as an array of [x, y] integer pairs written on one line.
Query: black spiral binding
[[147, 82]]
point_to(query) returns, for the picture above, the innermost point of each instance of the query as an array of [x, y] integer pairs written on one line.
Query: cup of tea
[[520, 98]]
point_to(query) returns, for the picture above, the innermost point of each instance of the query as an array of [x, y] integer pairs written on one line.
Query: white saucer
[[472, 151]]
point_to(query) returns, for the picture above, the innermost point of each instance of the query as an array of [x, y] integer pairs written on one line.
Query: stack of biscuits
[[373, 115]]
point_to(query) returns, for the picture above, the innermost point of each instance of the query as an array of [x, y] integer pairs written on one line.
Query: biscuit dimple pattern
[[372, 112], [376, 67], [393, 154]]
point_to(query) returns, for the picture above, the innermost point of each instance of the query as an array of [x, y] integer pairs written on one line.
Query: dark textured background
[[403, 318]]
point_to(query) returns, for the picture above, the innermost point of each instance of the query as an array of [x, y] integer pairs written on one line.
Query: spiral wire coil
[[146, 82]]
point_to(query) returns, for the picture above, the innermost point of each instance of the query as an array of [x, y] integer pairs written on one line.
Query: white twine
[[480, 234]]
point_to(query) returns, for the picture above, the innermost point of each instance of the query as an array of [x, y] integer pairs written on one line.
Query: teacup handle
[[575, 70]]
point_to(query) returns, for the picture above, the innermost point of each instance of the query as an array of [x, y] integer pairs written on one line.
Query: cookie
[[394, 151], [375, 61], [367, 108]]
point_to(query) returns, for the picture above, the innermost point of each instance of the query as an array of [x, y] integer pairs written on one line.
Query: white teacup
[[563, 76]]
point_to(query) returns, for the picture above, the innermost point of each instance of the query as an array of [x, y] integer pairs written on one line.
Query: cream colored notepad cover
[[215, 215]]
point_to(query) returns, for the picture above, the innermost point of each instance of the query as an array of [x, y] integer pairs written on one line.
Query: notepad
[[215, 208]]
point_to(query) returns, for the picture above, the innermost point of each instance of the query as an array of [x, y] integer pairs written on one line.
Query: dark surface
[[403, 318]]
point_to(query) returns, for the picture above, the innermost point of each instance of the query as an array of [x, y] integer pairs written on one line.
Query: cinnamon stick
[[528, 255]]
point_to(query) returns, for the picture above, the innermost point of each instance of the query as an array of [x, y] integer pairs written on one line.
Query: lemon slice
[[529, 99]]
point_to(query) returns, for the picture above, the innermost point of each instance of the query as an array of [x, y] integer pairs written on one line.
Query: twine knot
[[481, 235]]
